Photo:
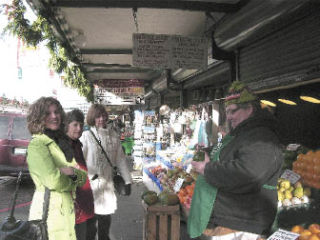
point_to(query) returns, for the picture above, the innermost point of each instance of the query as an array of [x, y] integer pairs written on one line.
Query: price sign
[[291, 176], [178, 184], [283, 235], [188, 170]]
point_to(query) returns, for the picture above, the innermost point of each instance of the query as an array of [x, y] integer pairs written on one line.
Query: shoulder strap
[[46, 205], [103, 151]]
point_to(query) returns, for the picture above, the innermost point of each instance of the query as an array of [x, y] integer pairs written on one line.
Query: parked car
[[14, 140]]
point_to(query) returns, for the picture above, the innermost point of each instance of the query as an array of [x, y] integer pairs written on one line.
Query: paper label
[[283, 235], [291, 176], [188, 170], [178, 184]]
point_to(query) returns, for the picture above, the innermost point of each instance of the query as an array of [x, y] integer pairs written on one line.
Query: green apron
[[203, 198]]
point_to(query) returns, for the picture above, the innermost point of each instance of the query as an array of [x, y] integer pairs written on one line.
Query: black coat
[[252, 158]]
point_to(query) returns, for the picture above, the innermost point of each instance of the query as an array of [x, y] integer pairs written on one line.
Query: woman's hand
[[199, 166], [67, 171]]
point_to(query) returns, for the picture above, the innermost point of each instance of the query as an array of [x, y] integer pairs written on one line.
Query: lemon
[[280, 196], [285, 184], [288, 194], [298, 192]]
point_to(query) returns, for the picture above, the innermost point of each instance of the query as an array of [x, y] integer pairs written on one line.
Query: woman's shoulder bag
[[13, 229]]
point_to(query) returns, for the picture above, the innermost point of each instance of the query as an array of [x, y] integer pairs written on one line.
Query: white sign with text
[[161, 51]]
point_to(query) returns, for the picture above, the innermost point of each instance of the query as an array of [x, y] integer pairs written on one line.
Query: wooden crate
[[161, 222]]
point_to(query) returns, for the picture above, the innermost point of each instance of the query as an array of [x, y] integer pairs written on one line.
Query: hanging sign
[[160, 51], [115, 91]]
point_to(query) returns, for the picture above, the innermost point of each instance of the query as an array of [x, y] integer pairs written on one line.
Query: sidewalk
[[127, 222]]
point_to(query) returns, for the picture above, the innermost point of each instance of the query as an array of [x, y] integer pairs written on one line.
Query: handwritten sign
[[291, 176], [162, 51], [283, 235]]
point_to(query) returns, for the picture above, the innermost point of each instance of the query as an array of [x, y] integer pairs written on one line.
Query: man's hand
[[199, 166]]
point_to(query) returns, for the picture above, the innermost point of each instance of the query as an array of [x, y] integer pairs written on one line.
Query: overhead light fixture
[[268, 103], [289, 96], [310, 96], [268, 99], [287, 101]]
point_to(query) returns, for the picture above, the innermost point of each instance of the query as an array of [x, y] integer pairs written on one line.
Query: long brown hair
[[95, 111], [38, 111]]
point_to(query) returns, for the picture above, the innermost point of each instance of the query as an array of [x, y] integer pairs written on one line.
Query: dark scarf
[[63, 142]]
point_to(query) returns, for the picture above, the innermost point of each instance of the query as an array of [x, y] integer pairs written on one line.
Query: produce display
[[308, 167], [312, 232], [298, 202], [185, 195], [169, 177], [163, 198], [289, 194]]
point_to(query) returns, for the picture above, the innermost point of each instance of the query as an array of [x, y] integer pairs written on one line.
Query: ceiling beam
[[128, 70], [106, 51], [106, 65], [182, 5]]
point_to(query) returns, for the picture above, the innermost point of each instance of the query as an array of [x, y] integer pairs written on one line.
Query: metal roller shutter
[[286, 57]]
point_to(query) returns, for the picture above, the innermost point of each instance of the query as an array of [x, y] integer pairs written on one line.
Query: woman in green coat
[[51, 165]]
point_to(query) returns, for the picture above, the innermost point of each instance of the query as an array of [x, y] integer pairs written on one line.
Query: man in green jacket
[[235, 194]]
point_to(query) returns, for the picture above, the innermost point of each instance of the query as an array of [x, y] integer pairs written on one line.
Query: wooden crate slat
[[175, 227], [152, 226], [163, 227]]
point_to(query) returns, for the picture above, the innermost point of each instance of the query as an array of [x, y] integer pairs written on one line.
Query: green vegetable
[[199, 156]]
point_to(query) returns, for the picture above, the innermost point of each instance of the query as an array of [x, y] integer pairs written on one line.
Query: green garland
[[39, 31]]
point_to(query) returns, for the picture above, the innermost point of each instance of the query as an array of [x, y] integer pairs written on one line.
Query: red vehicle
[[14, 140]]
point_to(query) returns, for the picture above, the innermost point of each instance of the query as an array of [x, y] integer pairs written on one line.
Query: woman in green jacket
[[51, 165]]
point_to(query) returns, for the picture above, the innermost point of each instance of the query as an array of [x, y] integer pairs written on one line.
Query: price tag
[[188, 170], [293, 147], [283, 235], [291, 176], [178, 184]]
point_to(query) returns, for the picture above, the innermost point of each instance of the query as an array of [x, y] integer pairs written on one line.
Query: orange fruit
[[314, 237], [300, 156], [305, 234], [314, 228], [316, 169], [297, 229]]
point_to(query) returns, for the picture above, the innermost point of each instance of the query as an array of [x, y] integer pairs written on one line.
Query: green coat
[[44, 160]]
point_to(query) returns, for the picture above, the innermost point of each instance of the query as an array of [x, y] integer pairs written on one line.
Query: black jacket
[[252, 158]]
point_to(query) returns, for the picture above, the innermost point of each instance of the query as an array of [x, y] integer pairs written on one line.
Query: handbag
[[13, 229], [118, 181]]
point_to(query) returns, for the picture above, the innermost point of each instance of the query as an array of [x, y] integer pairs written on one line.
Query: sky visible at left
[[37, 80]]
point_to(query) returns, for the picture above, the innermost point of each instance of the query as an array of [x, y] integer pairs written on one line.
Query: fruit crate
[[161, 222]]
